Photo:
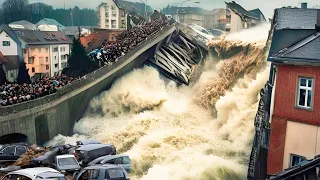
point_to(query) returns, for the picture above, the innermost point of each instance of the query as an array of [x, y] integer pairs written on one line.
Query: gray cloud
[[266, 6]]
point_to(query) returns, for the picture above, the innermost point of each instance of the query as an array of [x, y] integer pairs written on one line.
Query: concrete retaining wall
[[42, 119]]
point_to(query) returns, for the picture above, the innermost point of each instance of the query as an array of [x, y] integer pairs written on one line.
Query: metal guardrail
[[83, 81]]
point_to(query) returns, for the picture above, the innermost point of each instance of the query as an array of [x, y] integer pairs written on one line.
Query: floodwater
[[202, 131]]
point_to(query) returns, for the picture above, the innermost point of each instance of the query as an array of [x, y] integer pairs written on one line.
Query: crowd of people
[[13, 93], [126, 41]]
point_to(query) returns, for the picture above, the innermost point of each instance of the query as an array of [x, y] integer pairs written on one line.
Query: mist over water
[[203, 131]]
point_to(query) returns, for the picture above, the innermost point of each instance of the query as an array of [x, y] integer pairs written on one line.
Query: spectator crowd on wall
[[14, 93], [126, 41]]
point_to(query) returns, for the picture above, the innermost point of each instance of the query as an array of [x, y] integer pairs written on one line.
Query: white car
[[35, 174], [202, 32]]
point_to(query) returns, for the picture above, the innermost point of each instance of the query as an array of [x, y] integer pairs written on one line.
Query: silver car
[[120, 160], [35, 174]]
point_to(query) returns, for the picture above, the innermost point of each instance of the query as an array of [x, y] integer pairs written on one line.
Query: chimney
[[304, 5]]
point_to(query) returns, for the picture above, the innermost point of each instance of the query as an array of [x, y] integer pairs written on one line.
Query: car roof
[[88, 141], [105, 166], [33, 172], [66, 156], [113, 157], [90, 147], [50, 175]]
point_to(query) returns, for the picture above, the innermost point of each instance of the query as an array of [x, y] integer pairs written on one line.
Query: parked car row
[[87, 160]]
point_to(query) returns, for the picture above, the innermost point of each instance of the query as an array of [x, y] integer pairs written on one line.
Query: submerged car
[[35, 174], [102, 172], [120, 160], [90, 152], [66, 163], [12, 152]]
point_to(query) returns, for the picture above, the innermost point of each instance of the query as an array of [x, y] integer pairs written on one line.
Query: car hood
[[69, 167]]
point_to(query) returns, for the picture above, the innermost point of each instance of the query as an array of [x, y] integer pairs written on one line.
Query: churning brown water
[[203, 131]]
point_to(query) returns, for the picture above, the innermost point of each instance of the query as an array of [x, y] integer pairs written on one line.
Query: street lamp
[[145, 8]]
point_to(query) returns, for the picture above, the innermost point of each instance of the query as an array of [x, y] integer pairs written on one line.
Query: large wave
[[203, 131]]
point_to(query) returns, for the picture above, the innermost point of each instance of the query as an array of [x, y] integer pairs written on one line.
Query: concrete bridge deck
[[42, 119]]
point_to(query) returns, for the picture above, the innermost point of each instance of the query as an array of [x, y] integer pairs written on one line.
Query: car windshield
[[67, 161], [115, 173]]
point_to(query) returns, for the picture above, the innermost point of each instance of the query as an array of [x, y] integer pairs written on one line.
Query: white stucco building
[[111, 16]]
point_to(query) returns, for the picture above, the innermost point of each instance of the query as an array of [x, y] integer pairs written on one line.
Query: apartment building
[[111, 16], [44, 52]]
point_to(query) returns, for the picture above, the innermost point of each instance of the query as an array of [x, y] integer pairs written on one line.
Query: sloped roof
[[240, 10], [185, 10], [3, 60], [257, 12], [291, 27], [72, 30], [305, 50], [294, 18], [96, 39], [14, 62], [42, 37], [25, 24], [10, 32], [49, 21], [129, 6], [298, 170]]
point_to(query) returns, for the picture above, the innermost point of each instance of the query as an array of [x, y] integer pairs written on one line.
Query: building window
[[107, 14], [32, 49], [12, 75], [55, 57], [55, 65], [5, 43], [55, 49], [33, 70], [47, 50], [25, 51], [41, 60], [40, 50], [114, 14], [295, 159], [122, 13], [63, 65], [47, 67], [63, 49], [113, 7], [47, 59], [305, 94], [30, 60]]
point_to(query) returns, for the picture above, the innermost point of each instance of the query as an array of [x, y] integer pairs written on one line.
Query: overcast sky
[[266, 6]]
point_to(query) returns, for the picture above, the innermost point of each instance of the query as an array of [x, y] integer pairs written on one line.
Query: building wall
[[107, 15], [40, 63], [8, 50], [193, 19], [301, 139], [236, 23], [12, 75], [285, 94], [59, 58], [277, 143], [282, 144]]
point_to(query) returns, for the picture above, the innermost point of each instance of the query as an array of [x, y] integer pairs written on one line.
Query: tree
[[23, 75], [14, 10], [3, 76], [79, 63], [38, 11]]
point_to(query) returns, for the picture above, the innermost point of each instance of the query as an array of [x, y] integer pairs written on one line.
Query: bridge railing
[[83, 81]]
